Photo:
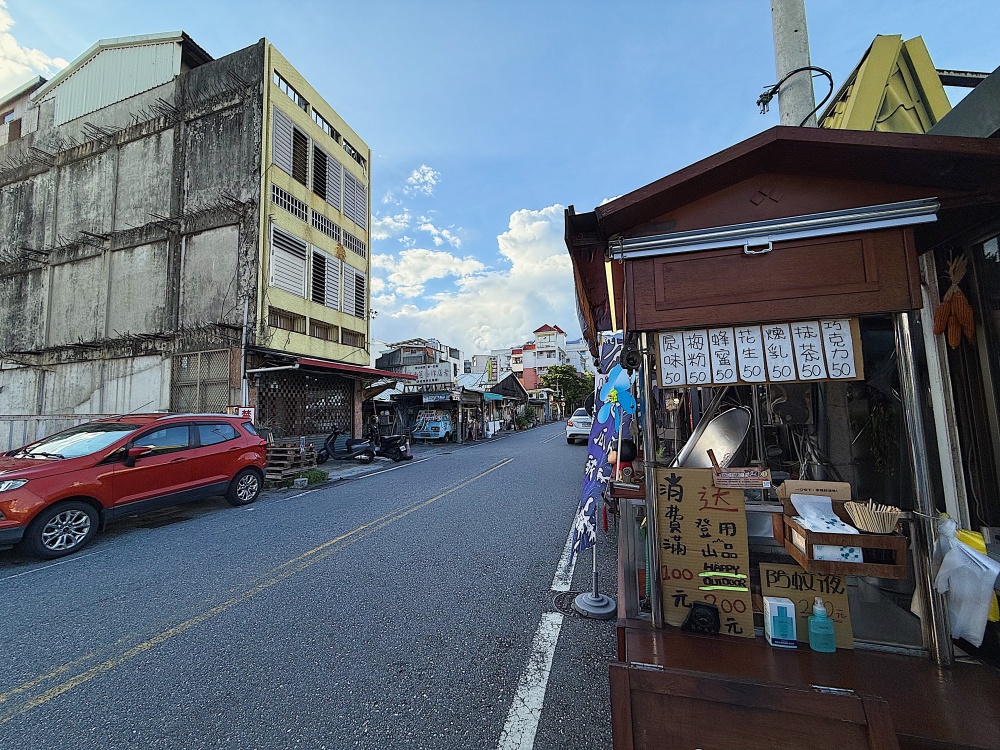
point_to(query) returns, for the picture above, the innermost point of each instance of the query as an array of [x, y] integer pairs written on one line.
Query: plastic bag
[[966, 578]]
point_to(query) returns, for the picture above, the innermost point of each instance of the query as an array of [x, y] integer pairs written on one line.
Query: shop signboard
[[704, 555], [439, 372], [802, 351], [793, 582]]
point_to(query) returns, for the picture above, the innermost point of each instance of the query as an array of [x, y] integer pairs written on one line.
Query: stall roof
[[959, 171], [355, 370]]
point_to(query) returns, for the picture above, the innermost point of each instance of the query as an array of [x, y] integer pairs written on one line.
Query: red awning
[[370, 372]]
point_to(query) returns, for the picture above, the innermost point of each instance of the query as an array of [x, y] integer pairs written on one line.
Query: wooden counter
[[929, 708]]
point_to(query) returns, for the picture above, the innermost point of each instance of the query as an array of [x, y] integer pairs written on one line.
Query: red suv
[[56, 492]]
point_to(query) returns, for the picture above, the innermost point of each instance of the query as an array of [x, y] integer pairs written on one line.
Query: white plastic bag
[[966, 579]]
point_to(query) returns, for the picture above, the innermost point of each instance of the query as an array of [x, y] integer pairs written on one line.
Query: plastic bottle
[[821, 636]]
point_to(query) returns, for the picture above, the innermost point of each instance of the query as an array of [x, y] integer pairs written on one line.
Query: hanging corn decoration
[[954, 316]]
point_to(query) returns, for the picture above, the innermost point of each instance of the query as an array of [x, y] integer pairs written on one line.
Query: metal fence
[[18, 429]]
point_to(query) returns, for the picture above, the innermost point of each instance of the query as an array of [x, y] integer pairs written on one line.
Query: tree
[[573, 387]]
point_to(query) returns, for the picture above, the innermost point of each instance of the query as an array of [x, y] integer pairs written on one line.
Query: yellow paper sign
[[793, 582], [703, 549]]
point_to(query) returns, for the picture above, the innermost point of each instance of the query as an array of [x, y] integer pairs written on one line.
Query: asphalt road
[[407, 607]]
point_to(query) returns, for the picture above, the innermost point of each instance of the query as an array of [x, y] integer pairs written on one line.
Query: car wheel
[[245, 488], [570, 441], [62, 529], [367, 457]]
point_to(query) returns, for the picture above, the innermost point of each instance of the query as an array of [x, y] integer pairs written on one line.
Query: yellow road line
[[291, 567]]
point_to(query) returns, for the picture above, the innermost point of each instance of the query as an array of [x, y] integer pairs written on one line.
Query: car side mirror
[[134, 453]]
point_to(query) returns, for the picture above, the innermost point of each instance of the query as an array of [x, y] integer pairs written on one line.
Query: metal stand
[[593, 603]]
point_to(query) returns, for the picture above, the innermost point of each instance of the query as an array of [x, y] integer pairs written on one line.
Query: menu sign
[[801, 351], [703, 549], [793, 582]]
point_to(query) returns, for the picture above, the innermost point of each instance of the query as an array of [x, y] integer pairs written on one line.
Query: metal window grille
[[352, 338], [323, 331], [285, 320], [297, 402], [327, 227], [285, 200], [355, 245], [200, 382]]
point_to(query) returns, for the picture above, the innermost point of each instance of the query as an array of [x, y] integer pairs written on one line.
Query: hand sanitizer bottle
[[821, 636]]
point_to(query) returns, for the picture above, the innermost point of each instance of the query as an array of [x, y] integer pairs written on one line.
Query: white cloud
[[20, 64], [422, 181], [385, 227], [414, 268], [438, 236], [389, 199], [493, 309]]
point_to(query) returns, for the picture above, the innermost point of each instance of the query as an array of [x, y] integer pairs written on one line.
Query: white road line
[[554, 437], [522, 720], [564, 570], [52, 565]]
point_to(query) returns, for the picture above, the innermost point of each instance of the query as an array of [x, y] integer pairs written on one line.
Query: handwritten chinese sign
[[802, 351], [703, 549], [793, 582]]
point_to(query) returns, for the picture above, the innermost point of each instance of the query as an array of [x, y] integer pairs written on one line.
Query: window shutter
[[318, 287], [288, 262], [355, 200], [334, 176], [300, 156], [354, 292], [332, 282], [319, 176], [281, 141]]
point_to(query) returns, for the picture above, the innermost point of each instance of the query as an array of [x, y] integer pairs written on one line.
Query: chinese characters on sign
[[793, 582], [703, 549], [801, 351]]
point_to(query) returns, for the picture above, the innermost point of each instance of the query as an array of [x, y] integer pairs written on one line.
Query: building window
[[322, 331], [355, 200], [327, 227], [320, 160], [353, 338], [200, 382], [325, 288], [283, 199], [289, 147], [6, 117], [285, 320], [355, 245], [353, 153], [294, 95], [288, 262], [327, 127], [326, 177], [354, 292]]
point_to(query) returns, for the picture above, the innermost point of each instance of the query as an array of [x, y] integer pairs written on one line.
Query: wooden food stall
[[782, 278]]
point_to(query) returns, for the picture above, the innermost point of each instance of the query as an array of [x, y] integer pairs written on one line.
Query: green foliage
[[571, 385]]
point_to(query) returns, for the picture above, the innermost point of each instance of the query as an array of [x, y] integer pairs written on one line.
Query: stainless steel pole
[[934, 622], [649, 458]]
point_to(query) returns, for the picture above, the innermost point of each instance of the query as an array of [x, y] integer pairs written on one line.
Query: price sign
[[703, 549], [793, 582]]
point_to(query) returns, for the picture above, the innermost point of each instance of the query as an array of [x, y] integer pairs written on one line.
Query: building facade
[[185, 233]]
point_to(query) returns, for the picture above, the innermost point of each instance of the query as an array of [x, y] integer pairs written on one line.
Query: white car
[[578, 426]]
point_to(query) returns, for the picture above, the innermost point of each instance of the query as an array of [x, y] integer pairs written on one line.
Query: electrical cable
[[764, 100]]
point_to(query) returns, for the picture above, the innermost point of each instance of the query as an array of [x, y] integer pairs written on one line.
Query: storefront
[[772, 305]]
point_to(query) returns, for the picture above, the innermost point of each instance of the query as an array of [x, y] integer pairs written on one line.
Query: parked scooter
[[396, 447], [346, 450]]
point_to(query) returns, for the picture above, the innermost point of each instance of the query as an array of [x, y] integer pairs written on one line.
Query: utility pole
[[791, 51]]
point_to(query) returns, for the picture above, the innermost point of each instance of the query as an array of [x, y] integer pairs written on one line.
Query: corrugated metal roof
[[894, 88]]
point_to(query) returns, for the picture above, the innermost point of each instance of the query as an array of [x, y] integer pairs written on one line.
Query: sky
[[486, 119]]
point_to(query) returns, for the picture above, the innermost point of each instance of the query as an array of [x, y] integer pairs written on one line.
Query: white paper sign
[[839, 345], [807, 341], [723, 344], [697, 357], [750, 351], [778, 351], [672, 370]]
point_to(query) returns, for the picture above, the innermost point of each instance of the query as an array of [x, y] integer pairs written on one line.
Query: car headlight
[[12, 484]]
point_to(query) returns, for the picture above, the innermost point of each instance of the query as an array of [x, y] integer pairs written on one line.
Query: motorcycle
[[348, 449], [396, 447]]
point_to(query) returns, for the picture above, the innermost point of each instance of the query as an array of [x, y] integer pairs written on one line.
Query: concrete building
[[170, 222], [530, 361], [578, 354]]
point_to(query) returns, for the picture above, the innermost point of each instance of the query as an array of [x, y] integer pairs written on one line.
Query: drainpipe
[[273, 369]]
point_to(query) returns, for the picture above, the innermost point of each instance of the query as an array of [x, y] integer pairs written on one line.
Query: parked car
[[578, 426], [434, 425], [57, 492]]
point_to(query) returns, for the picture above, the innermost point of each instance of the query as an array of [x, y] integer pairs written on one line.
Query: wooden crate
[[787, 531]]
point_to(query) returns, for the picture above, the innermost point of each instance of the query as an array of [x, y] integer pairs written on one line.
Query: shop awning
[[493, 397], [355, 370]]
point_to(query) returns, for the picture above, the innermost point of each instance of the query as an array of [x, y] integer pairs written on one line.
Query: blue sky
[[486, 119]]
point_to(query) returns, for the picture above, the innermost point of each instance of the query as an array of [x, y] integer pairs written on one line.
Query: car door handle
[[178, 460]]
